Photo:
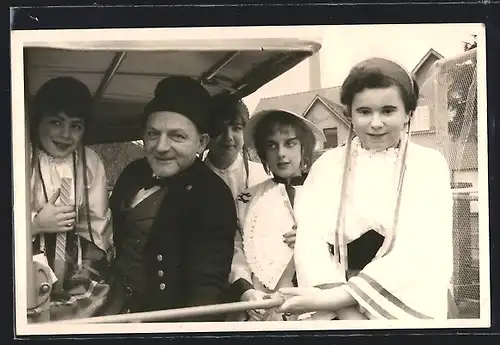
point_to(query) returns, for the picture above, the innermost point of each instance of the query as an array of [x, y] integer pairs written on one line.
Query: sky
[[343, 46]]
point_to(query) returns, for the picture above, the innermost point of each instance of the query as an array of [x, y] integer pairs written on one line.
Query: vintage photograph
[[250, 178]]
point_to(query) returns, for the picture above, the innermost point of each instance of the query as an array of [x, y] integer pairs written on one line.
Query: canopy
[[123, 74]]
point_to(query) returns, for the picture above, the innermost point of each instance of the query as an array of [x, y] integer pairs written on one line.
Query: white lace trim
[[266, 253], [371, 191]]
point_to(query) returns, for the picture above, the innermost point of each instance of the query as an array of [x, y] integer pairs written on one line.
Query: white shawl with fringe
[[412, 280]]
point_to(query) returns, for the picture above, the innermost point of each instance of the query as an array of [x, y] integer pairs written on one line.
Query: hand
[[52, 218], [289, 237], [256, 295], [301, 300]]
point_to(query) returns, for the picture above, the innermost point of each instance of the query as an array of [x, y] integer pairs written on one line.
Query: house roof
[[430, 52], [300, 102], [332, 106]]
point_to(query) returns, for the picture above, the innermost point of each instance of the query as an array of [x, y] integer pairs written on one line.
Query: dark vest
[[136, 226], [362, 250]]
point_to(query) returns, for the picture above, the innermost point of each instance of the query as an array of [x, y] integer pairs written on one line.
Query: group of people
[[363, 232]]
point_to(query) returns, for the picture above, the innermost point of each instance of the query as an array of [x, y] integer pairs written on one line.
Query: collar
[[43, 154], [295, 181], [235, 165]]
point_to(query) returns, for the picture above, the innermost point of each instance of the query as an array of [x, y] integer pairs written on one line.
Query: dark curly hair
[[363, 77], [226, 109], [279, 119], [61, 94]]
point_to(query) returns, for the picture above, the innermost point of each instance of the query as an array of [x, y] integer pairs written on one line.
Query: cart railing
[[180, 313]]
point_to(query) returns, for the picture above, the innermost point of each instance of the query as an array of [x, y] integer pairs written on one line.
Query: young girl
[[227, 155], [263, 258], [70, 215], [375, 217]]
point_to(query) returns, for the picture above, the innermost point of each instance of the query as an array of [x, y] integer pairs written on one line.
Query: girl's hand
[[301, 300], [52, 218], [289, 237], [256, 295]]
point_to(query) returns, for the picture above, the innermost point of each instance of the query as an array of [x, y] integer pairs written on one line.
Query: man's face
[[171, 143]]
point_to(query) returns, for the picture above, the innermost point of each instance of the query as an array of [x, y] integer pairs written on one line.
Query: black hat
[[66, 94], [182, 95]]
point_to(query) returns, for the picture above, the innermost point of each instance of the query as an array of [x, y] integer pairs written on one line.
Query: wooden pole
[[180, 313]]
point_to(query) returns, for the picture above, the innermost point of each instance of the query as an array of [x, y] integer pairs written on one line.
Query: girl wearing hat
[[227, 155], [70, 215], [375, 218], [264, 245]]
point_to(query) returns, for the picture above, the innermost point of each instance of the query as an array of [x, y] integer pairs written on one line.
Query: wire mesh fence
[[449, 95]]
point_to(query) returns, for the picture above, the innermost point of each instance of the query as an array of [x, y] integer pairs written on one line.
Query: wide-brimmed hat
[[249, 131]]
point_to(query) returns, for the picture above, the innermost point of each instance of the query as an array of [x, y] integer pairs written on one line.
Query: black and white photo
[[250, 178]]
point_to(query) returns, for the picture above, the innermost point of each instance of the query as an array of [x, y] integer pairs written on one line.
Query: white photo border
[[22, 38]]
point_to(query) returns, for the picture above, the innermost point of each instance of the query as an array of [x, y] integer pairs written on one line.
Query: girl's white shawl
[[411, 281]]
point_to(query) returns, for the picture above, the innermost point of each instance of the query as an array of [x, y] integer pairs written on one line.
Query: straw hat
[[255, 119]]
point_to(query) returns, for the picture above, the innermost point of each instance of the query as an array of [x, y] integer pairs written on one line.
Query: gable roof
[[301, 101], [430, 52], [333, 107]]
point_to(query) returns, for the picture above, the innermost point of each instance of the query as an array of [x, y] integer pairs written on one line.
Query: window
[[421, 120], [331, 137]]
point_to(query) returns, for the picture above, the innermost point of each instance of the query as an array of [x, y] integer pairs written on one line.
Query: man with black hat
[[175, 218]]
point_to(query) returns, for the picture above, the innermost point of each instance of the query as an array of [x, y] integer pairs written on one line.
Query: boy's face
[[60, 134], [284, 151], [229, 142]]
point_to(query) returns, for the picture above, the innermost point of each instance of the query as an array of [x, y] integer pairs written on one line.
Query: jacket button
[[160, 273], [159, 257], [162, 286]]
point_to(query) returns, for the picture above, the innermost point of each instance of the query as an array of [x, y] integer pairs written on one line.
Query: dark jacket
[[191, 241]]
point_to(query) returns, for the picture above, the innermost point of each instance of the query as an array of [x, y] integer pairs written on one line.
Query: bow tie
[[294, 181], [152, 181]]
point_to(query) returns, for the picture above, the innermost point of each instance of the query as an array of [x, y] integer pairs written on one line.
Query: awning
[[123, 74]]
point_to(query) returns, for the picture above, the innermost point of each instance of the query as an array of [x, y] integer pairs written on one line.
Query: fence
[[466, 255], [449, 97]]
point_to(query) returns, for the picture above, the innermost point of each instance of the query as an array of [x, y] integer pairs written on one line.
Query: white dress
[[411, 280]]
